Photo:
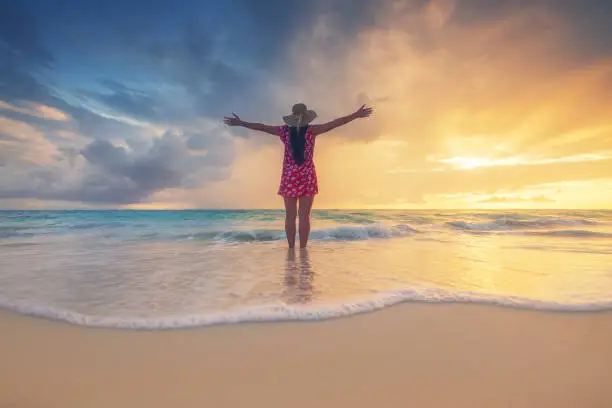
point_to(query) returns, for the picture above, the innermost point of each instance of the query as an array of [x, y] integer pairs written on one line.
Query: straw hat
[[300, 115]]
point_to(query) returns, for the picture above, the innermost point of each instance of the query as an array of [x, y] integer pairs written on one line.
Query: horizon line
[[314, 209]]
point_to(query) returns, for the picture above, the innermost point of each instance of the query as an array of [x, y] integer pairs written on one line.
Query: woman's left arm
[[362, 112]]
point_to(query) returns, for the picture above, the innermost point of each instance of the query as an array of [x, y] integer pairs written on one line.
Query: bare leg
[[290, 214], [304, 211]]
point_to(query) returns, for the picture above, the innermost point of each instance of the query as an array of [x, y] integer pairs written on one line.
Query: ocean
[[178, 269]]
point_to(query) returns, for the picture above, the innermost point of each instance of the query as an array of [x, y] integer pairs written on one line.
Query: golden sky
[[502, 111], [497, 115]]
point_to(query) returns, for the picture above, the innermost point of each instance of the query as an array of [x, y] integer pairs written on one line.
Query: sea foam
[[282, 312]]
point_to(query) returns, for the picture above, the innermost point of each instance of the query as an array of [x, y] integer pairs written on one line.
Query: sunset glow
[[475, 107]]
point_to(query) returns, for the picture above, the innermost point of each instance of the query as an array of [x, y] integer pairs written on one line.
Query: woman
[[298, 184]]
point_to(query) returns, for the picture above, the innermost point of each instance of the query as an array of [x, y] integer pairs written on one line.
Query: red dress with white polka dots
[[298, 180]]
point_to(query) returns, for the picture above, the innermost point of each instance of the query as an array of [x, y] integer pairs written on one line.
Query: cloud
[[491, 179], [116, 143], [127, 101], [503, 84], [474, 162], [122, 176], [106, 173], [37, 110], [24, 144], [470, 96], [491, 70]]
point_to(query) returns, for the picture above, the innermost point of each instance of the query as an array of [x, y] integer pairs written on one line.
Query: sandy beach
[[416, 355]]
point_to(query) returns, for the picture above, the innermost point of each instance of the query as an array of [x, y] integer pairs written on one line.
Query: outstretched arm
[[362, 112], [236, 121]]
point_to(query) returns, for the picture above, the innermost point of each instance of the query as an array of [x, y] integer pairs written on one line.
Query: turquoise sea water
[[172, 269]]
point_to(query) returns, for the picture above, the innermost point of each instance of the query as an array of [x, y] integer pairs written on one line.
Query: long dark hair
[[297, 142]]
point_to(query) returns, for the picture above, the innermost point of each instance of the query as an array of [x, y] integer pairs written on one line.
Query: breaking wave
[[340, 233], [282, 312]]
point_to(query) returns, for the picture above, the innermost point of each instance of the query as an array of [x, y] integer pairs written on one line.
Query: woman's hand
[[363, 112], [235, 121]]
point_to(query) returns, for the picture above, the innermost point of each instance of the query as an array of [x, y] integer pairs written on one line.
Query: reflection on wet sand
[[299, 277]]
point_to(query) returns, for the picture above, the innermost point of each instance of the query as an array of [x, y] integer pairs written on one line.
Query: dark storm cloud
[[124, 177], [590, 26], [588, 21], [117, 175], [271, 25]]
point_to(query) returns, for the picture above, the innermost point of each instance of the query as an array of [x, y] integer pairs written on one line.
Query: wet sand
[[417, 355]]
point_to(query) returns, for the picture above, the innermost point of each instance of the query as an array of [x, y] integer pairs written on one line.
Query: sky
[[478, 103]]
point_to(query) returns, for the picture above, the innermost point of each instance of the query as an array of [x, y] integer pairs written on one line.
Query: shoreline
[[297, 313], [417, 354]]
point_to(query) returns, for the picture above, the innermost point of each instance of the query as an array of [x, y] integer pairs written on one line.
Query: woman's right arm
[[236, 121]]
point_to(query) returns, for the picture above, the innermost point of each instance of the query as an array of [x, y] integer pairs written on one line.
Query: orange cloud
[[24, 143], [37, 110]]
